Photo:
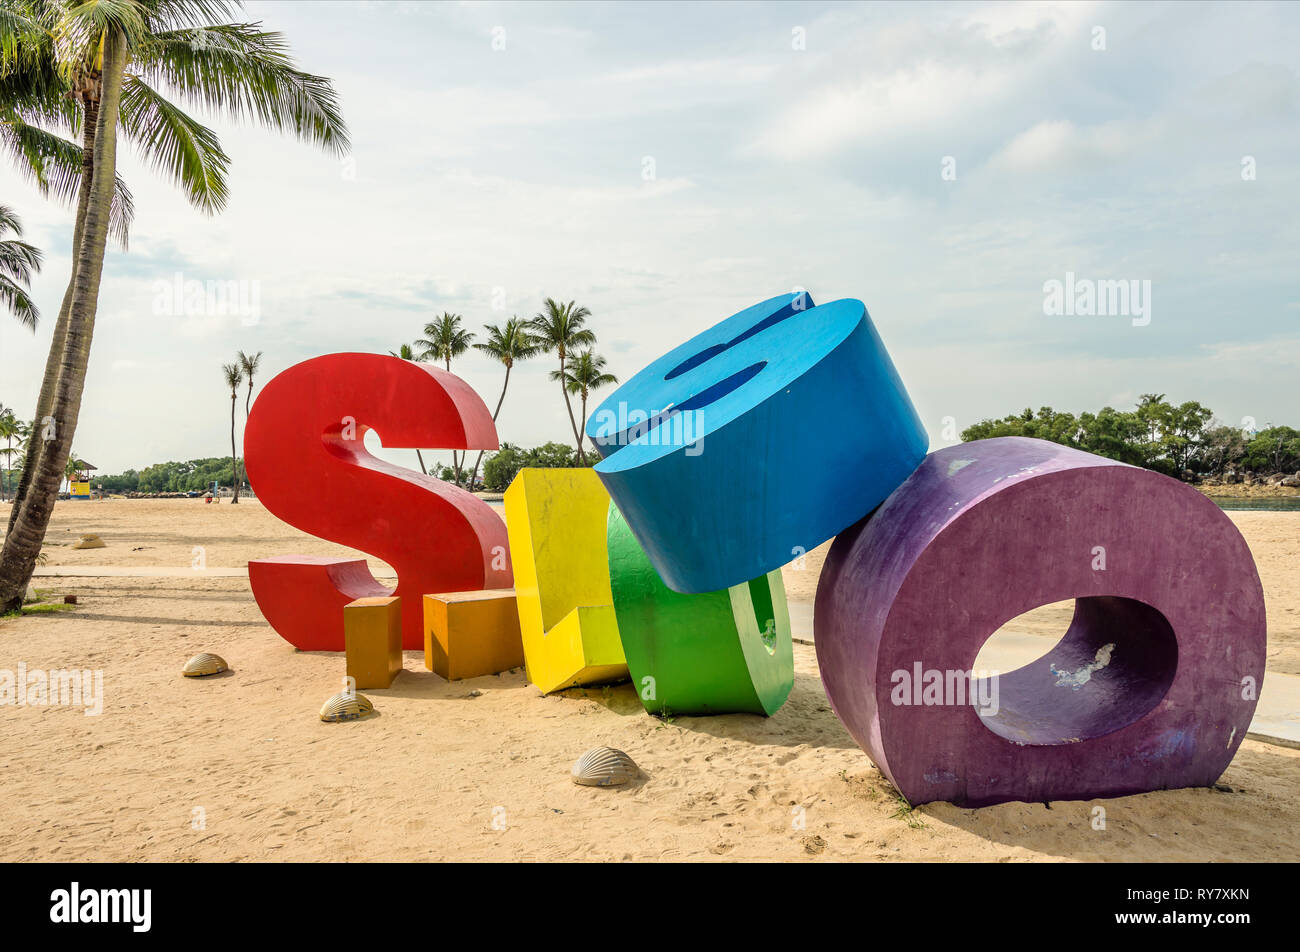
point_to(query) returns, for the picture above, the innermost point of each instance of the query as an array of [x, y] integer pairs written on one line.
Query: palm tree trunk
[[583, 430], [495, 413], [234, 457], [582, 457], [455, 460], [53, 361], [22, 546]]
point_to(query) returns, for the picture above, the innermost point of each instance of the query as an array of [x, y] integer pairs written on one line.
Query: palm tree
[[234, 377], [505, 345], [71, 470], [10, 428], [249, 366], [407, 352], [97, 66], [559, 328], [444, 339], [18, 262], [585, 374], [34, 88]]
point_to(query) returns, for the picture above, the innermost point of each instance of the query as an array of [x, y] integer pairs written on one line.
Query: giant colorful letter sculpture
[[307, 462], [1153, 685], [726, 458], [757, 440], [556, 520], [714, 653]]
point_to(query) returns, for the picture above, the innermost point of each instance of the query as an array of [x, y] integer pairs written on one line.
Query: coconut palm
[[559, 328], [407, 352], [10, 429], [444, 339], [18, 262], [249, 366], [98, 67], [73, 469], [234, 377], [32, 88], [584, 374], [506, 345]]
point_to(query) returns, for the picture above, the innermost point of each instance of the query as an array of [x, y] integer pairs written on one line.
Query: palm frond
[[54, 164], [245, 71], [24, 40], [31, 84], [175, 143], [19, 260], [9, 221], [17, 300], [176, 14], [80, 28]]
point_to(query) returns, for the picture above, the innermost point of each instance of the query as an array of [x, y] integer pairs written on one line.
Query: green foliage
[[1273, 450], [127, 482], [195, 474], [502, 466], [1177, 440]]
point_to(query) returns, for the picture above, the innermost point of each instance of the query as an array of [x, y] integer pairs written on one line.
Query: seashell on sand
[[346, 707], [604, 767], [204, 664]]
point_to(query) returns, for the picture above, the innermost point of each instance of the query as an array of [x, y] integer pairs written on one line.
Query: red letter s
[[305, 459]]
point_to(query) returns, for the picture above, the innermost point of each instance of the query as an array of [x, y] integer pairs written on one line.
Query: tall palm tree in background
[[444, 339], [559, 328], [234, 377], [506, 345], [94, 67], [407, 352], [249, 366], [18, 262], [10, 429], [584, 374]]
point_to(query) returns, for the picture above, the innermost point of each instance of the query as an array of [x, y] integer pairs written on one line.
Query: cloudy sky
[[669, 165]]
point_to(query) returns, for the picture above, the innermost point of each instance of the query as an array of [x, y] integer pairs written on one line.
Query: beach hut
[[79, 481]]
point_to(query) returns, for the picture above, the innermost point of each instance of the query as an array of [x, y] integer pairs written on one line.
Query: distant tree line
[[1181, 440], [198, 474], [195, 474], [1184, 441]]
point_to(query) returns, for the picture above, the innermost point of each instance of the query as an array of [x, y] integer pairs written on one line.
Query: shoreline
[[1241, 491]]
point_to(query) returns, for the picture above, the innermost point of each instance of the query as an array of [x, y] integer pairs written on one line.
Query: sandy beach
[[239, 766]]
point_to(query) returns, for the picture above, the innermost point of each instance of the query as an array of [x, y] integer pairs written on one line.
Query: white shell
[[204, 664], [604, 767], [346, 707]]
